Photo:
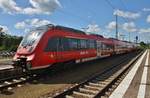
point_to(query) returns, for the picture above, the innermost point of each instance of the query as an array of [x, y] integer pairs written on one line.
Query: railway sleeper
[[7, 83], [104, 97], [1, 85], [92, 87], [108, 77], [103, 83], [106, 80], [23, 78], [16, 81], [107, 93], [68, 96], [100, 81], [114, 86], [88, 91], [9, 88], [96, 84], [19, 85], [110, 89], [82, 95]]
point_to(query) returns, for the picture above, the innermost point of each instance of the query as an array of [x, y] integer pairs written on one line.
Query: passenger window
[[73, 43], [99, 45], [79, 44], [65, 43], [52, 44], [91, 44], [83, 44]]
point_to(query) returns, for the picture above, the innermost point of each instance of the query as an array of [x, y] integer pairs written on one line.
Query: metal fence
[[5, 54]]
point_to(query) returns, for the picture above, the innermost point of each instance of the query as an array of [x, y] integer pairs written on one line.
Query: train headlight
[[28, 65]]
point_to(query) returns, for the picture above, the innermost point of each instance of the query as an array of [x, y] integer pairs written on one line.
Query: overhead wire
[[109, 3]]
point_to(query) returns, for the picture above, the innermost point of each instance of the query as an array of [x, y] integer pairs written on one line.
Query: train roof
[[70, 29], [97, 35]]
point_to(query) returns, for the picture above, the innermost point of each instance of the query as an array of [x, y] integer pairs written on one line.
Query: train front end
[[28, 48]]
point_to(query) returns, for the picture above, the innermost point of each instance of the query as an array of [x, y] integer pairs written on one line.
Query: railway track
[[101, 84], [7, 83], [7, 71]]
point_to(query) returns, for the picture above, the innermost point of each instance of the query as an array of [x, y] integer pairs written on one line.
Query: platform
[[137, 82], [5, 67]]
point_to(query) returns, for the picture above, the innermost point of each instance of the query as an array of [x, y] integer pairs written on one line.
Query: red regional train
[[45, 46]]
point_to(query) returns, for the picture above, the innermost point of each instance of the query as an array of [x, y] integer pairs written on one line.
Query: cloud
[[37, 7], [4, 29], [147, 30], [129, 27], [93, 28], [31, 23], [146, 9], [126, 14], [9, 6], [42, 6], [20, 25], [35, 22], [148, 19], [111, 26]]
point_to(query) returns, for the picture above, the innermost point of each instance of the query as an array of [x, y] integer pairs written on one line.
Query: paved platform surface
[[6, 63], [137, 83], [4, 67]]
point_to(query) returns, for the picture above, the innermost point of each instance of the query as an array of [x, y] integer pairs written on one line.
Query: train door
[[63, 50], [99, 48], [59, 49], [66, 53], [52, 50]]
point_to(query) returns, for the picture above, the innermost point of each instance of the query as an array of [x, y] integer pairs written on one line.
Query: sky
[[17, 17]]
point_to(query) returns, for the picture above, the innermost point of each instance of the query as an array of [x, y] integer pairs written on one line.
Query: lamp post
[[116, 26]]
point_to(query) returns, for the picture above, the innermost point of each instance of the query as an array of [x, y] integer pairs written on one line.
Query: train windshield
[[33, 37]]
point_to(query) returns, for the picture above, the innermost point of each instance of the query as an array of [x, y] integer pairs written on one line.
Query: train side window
[[95, 44], [52, 44], [92, 44], [99, 45], [103, 46], [83, 44], [79, 44], [65, 43], [107, 47], [73, 43]]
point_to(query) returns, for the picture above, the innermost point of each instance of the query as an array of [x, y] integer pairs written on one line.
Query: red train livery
[[48, 45]]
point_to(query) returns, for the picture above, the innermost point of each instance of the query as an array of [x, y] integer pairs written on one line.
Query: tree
[[144, 45], [9, 42]]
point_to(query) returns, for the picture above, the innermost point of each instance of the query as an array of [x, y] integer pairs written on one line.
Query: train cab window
[[52, 44], [32, 37]]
